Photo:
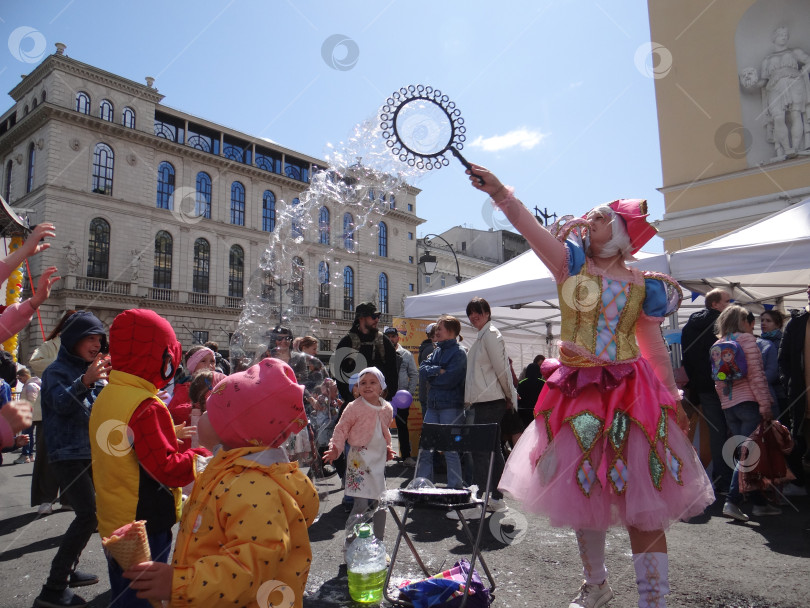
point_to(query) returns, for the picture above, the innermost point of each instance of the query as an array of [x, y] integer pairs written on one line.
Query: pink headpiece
[[634, 213]]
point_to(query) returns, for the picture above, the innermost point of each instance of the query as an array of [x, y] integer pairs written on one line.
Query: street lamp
[[428, 262], [281, 284]]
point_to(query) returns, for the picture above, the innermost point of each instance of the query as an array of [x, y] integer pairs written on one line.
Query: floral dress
[[604, 448], [365, 465]]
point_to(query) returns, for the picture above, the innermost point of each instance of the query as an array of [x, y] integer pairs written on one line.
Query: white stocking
[[592, 553], [652, 578]]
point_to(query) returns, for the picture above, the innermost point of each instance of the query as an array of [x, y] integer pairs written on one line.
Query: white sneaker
[[762, 510], [592, 596], [409, 462], [45, 509], [734, 512], [497, 506], [473, 513]]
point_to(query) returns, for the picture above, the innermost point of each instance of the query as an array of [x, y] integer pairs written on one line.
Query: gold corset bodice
[[599, 315]]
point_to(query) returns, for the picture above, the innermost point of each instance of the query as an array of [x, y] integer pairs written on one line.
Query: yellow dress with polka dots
[[243, 534]]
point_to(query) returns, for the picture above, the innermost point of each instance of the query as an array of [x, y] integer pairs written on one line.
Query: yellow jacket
[[244, 528]]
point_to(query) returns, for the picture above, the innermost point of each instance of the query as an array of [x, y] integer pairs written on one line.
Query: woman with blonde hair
[[745, 400]]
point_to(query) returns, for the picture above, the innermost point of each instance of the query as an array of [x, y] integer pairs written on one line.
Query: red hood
[[143, 343]]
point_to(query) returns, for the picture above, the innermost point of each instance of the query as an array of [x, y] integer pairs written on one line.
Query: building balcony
[[94, 285], [151, 295]]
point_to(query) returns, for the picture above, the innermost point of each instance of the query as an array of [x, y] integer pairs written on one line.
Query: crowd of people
[[130, 428]]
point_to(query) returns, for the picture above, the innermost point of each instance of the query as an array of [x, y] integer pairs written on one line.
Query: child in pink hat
[[364, 425], [244, 527]]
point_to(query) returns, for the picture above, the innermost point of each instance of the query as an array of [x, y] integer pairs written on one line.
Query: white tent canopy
[[764, 263]]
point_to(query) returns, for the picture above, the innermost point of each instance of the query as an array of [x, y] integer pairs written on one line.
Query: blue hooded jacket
[[446, 390], [66, 401]]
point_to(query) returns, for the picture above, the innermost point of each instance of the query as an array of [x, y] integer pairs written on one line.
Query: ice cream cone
[[129, 546]]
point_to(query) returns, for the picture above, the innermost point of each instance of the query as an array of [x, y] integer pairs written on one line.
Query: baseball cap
[[366, 309], [390, 331], [430, 328]]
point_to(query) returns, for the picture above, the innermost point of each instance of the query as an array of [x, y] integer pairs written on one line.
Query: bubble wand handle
[[466, 163]]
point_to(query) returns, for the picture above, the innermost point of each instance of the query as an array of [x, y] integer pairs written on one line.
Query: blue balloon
[[402, 400]]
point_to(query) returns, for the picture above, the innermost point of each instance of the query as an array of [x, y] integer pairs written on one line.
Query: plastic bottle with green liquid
[[366, 564]]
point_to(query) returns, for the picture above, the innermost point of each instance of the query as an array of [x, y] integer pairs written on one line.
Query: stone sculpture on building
[[783, 80]]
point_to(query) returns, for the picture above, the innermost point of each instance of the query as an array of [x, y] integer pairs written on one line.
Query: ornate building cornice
[[88, 72]]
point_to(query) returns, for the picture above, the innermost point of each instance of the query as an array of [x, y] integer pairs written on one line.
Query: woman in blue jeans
[[745, 401], [446, 370]]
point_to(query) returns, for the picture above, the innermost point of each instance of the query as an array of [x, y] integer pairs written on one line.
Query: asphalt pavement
[[714, 562]]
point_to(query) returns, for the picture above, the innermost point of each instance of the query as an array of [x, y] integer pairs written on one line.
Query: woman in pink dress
[[607, 445]]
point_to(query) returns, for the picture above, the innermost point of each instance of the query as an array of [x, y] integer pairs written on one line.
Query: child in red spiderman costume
[[137, 465]]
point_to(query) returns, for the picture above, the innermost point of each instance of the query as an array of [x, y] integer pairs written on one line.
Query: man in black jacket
[[793, 352], [365, 346], [697, 338]]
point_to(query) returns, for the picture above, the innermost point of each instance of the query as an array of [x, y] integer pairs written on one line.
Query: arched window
[[323, 226], [162, 276], [34, 103], [383, 240], [268, 211], [29, 180], [392, 200], [237, 204], [295, 224], [202, 266], [129, 118], [323, 285], [98, 249], [297, 283], [202, 200], [348, 231], [165, 186], [103, 164], [383, 285], [105, 110], [348, 288], [82, 102], [43, 96], [236, 272], [7, 187]]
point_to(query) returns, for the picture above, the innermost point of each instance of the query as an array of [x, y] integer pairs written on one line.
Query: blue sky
[[555, 95]]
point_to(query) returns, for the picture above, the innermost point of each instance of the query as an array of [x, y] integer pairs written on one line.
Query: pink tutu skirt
[[580, 480]]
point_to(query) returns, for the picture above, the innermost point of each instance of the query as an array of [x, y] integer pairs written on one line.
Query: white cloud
[[522, 138]]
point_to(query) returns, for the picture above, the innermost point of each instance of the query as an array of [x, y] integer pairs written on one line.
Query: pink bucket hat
[[262, 405]]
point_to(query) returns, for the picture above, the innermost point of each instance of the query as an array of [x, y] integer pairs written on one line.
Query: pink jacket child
[[364, 424]]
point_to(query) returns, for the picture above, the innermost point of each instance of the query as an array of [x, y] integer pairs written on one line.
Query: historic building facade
[[733, 98], [160, 209]]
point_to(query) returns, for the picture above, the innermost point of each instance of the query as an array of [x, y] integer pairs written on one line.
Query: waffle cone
[[129, 546]]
